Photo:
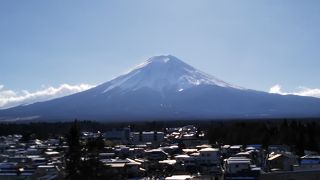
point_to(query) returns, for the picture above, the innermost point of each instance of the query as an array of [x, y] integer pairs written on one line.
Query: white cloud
[[9, 98], [301, 91], [276, 89]]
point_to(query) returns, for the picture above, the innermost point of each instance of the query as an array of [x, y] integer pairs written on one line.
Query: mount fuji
[[166, 88]]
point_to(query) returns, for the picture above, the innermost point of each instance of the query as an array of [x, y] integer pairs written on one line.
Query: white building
[[209, 156], [209, 160]]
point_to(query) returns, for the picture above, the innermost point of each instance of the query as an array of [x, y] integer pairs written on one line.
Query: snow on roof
[[189, 150], [250, 148], [311, 157], [133, 162], [204, 146], [179, 177], [274, 157], [236, 147], [182, 156], [209, 150], [244, 153], [52, 153], [154, 150], [225, 146], [170, 162], [46, 166], [117, 165], [237, 159]]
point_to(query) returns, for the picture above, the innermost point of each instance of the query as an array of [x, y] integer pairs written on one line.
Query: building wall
[[235, 168], [118, 134], [148, 137], [210, 157]]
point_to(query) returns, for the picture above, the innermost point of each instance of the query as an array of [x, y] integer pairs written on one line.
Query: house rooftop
[[170, 162], [179, 177], [274, 157], [182, 156], [209, 150], [239, 162]]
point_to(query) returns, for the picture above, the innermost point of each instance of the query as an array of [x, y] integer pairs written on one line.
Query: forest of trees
[[298, 135]]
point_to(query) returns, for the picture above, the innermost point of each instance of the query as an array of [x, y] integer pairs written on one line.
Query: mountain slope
[[164, 73], [165, 88]]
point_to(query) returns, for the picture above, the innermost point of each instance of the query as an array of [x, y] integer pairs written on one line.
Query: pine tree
[[300, 142], [73, 156], [312, 137]]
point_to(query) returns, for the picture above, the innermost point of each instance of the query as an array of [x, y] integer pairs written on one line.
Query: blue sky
[[253, 44]]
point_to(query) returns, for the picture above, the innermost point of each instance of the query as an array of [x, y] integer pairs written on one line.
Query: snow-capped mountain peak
[[166, 88], [163, 59], [164, 72]]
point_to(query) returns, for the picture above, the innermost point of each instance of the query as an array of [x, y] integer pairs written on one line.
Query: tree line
[[298, 135]]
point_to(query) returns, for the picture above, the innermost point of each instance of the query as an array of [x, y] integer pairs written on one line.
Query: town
[[160, 90], [174, 153]]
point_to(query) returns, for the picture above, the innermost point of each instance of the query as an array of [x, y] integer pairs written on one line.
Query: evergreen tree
[[301, 141], [92, 168], [73, 155], [312, 137], [95, 146]]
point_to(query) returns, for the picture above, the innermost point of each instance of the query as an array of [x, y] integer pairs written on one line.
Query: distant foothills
[[166, 88]]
